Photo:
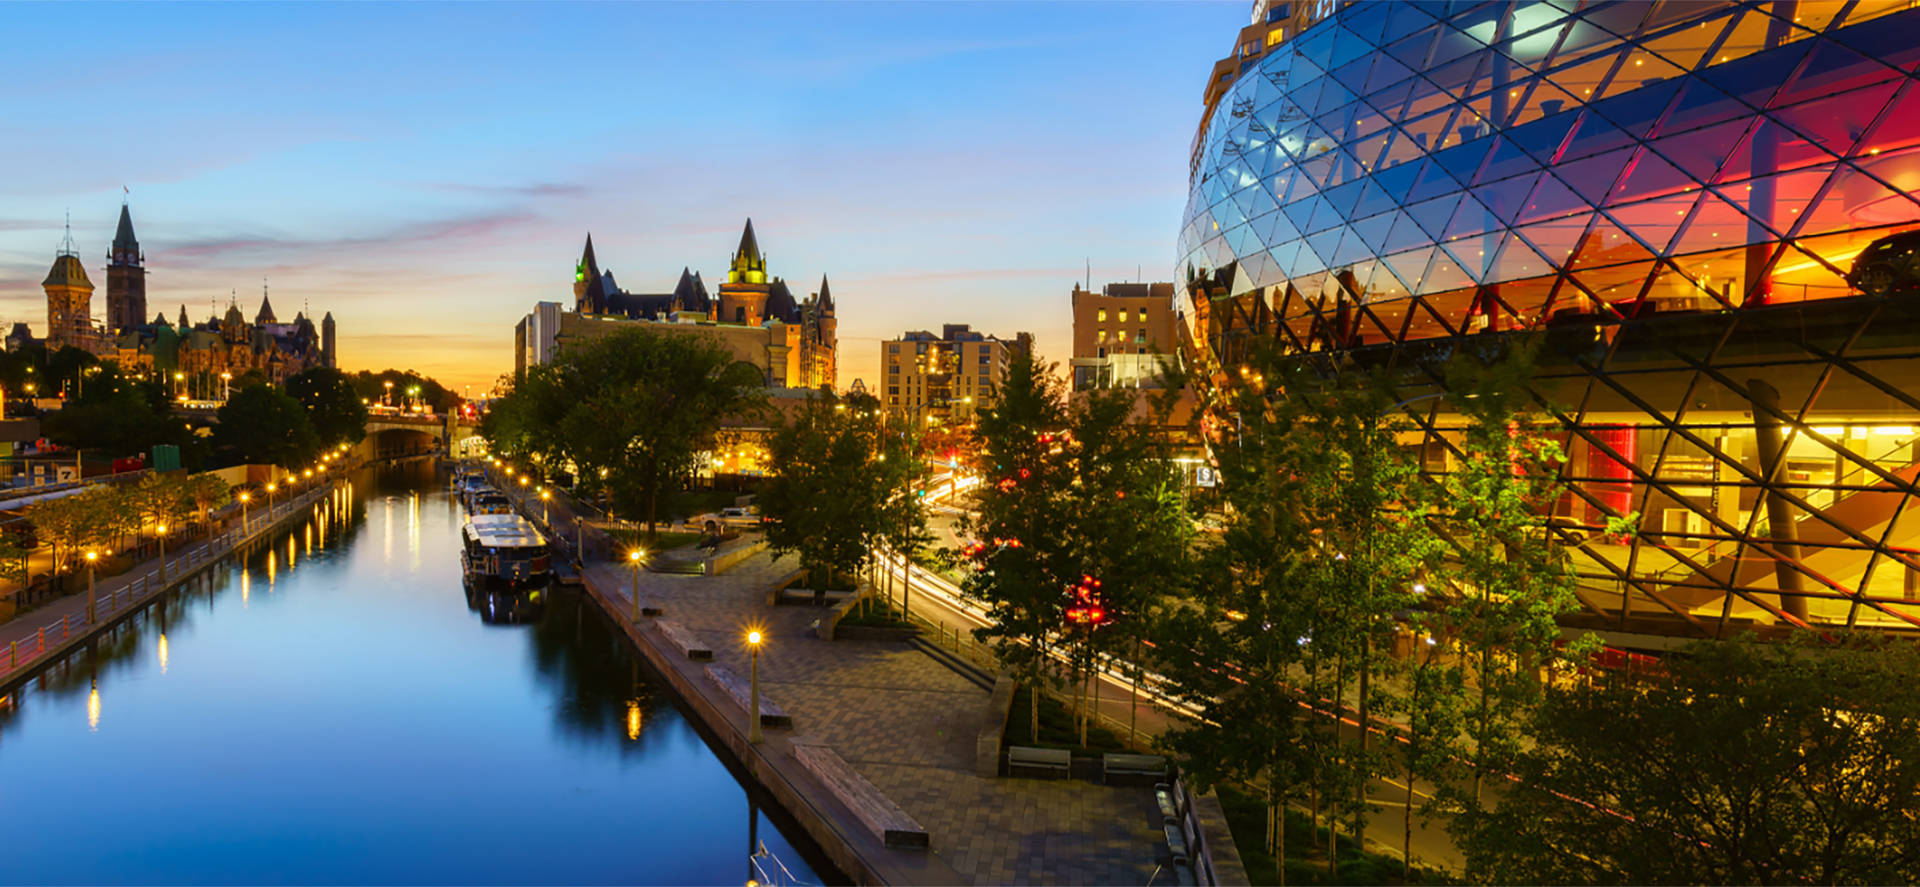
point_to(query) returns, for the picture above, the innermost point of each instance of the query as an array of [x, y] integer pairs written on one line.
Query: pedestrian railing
[[135, 591]]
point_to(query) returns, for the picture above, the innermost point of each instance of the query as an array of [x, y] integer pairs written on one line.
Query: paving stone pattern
[[907, 723]]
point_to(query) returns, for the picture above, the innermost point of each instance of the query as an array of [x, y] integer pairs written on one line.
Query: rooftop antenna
[[66, 243], [1089, 274]]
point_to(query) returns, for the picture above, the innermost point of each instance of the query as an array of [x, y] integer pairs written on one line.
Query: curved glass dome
[[1567, 156], [1706, 207]]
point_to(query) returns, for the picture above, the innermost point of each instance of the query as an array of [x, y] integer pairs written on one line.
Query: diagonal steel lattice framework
[[1699, 206]]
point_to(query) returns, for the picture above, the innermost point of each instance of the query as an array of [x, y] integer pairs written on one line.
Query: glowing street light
[[245, 527], [92, 557], [545, 494], [753, 697], [160, 533]]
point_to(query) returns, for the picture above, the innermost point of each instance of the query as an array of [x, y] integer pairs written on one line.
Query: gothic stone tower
[[69, 302], [743, 298], [327, 358], [126, 279], [586, 279]]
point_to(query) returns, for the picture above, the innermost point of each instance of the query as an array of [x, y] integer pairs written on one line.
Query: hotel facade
[[1699, 206]]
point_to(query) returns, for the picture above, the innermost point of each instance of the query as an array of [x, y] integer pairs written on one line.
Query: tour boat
[[503, 548]]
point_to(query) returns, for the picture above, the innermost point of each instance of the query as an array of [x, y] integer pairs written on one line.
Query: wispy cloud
[[529, 190], [436, 231]]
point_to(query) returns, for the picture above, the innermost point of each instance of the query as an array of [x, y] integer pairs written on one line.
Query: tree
[[829, 496], [632, 411], [333, 405], [207, 492], [121, 416], [407, 386], [1743, 763], [261, 425], [1021, 567], [72, 523], [1509, 576]]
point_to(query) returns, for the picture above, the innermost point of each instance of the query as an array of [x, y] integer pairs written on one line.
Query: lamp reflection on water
[[246, 587], [93, 707], [163, 653], [633, 719]]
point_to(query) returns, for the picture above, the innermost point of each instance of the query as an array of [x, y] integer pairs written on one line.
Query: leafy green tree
[[1022, 562], [261, 425], [1744, 762], [333, 405], [1509, 576], [206, 492], [74, 523], [116, 415], [632, 411], [407, 385], [827, 498]]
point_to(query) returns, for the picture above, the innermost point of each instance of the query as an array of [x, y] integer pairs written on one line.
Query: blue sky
[[428, 171]]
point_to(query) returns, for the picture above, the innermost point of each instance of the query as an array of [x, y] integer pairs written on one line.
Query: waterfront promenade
[[904, 721], [47, 633]]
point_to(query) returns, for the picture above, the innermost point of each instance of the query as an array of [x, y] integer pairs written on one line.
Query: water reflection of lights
[[163, 653], [271, 569], [387, 528], [93, 707], [633, 719], [246, 588], [413, 530]]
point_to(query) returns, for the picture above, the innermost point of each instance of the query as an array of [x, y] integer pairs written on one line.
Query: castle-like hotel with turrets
[[793, 341]]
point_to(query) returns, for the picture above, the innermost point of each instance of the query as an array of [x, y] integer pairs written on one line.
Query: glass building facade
[[1698, 205]]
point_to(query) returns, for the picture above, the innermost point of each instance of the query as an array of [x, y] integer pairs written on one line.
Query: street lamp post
[[544, 496], [245, 526], [753, 695], [388, 399], [633, 560], [160, 533], [271, 486], [226, 386], [92, 556]]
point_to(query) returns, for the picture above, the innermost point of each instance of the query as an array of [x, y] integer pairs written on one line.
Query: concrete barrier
[[722, 561], [993, 729]]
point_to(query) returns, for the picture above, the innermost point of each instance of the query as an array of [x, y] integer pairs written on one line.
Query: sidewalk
[[905, 722]]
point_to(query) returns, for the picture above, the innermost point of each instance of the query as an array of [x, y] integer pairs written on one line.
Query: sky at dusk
[[428, 171]]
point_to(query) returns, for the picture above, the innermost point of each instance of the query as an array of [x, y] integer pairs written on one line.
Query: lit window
[[1103, 336], [1123, 315], [1103, 315]]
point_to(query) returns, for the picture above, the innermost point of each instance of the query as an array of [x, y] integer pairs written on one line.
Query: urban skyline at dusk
[[427, 175]]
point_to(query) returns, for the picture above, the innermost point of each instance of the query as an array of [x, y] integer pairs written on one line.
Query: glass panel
[[1891, 41], [1471, 218], [1639, 93], [1648, 176], [1715, 224], [1504, 161], [1831, 68], [1374, 231], [1594, 177], [1556, 240], [1550, 199], [1654, 222], [1770, 148], [1699, 153], [1700, 104], [1405, 234], [1433, 215], [1837, 122], [1609, 244], [1594, 135]]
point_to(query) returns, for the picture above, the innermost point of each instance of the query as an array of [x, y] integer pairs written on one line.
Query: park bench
[[1049, 761], [771, 715], [1176, 843], [679, 637], [1129, 766], [1169, 811], [894, 826]]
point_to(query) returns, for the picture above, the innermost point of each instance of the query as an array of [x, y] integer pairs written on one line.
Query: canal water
[[338, 709]]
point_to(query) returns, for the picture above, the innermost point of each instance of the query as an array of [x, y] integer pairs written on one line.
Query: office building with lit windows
[[1703, 207], [945, 378], [1120, 334]]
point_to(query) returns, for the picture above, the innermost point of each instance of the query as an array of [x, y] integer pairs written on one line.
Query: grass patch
[[1057, 728], [1306, 862]]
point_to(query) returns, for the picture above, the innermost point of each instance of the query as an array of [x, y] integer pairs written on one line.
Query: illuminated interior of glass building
[[1702, 207]]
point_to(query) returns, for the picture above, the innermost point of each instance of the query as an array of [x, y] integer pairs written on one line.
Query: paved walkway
[[907, 723]]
